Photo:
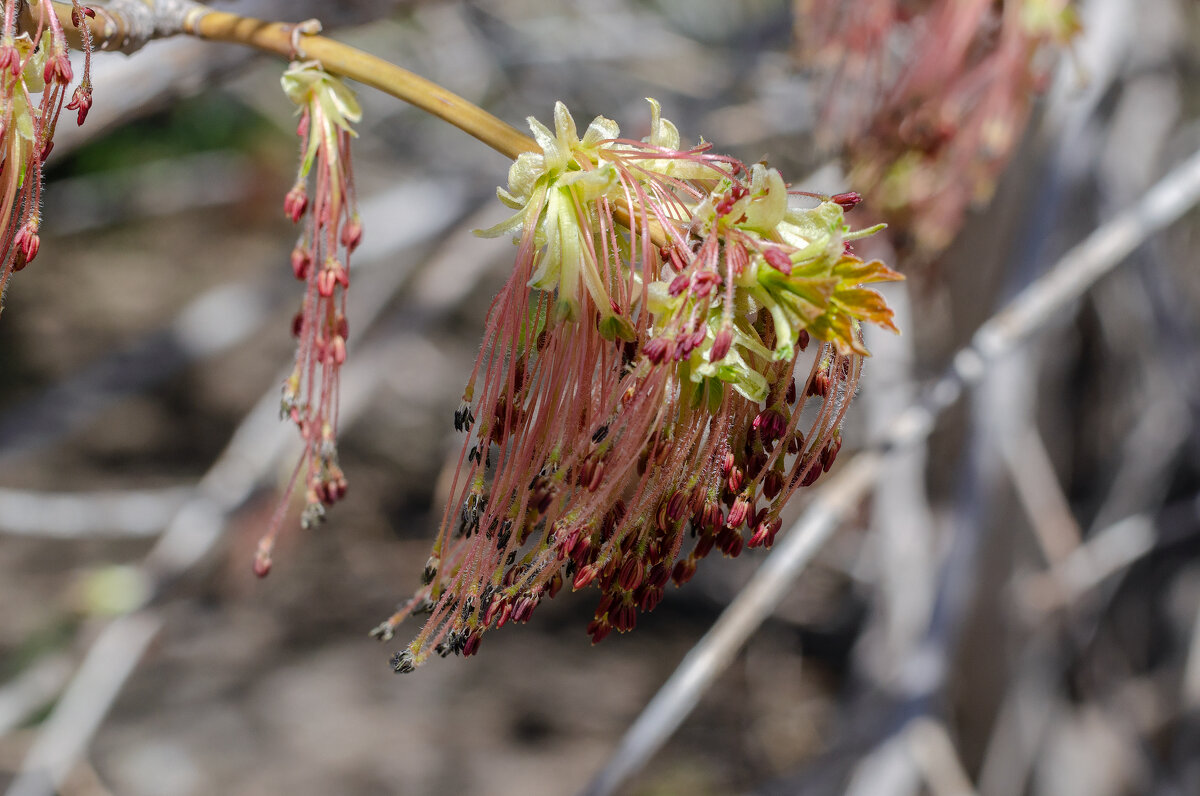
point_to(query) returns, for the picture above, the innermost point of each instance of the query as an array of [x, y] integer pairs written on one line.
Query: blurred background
[[1014, 610]]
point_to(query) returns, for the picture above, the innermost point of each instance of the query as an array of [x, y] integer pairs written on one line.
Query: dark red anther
[[28, 241], [731, 543], [598, 630], [650, 599], [770, 424], [584, 576], [352, 234], [772, 484], [714, 517], [678, 285], [295, 203], [814, 472], [658, 350], [721, 344], [703, 283], [658, 576], [301, 263], [830, 452], [736, 476], [81, 101], [676, 506], [626, 618], [631, 574], [738, 514], [847, 200], [471, 645], [803, 339], [684, 569], [778, 260]]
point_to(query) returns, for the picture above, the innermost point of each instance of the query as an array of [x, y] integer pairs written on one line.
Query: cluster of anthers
[[323, 197], [640, 397], [35, 76]]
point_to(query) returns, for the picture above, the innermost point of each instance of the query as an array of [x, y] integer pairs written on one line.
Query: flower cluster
[[928, 128], [35, 74], [321, 260], [638, 398]]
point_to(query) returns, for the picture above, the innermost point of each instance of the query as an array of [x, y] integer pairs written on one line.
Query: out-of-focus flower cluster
[[35, 75], [670, 360], [929, 98], [323, 197]]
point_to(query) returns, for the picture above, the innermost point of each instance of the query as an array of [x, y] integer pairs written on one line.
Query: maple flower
[[928, 132], [321, 260], [640, 389], [35, 72]]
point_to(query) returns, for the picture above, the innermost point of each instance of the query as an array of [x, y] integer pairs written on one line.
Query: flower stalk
[[323, 199]]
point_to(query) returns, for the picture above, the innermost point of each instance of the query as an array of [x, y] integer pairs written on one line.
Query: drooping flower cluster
[[35, 74], [638, 398], [323, 197], [929, 97]]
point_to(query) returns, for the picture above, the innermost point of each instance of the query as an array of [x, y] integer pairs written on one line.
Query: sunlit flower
[[637, 401], [321, 260], [33, 83]]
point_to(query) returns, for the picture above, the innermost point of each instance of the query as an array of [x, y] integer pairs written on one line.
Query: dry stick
[[1070, 277]]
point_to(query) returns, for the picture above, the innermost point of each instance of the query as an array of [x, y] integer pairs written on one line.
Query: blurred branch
[[127, 25], [1032, 308], [253, 453], [222, 318], [137, 512]]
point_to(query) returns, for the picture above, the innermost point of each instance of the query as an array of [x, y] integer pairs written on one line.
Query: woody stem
[[127, 24]]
